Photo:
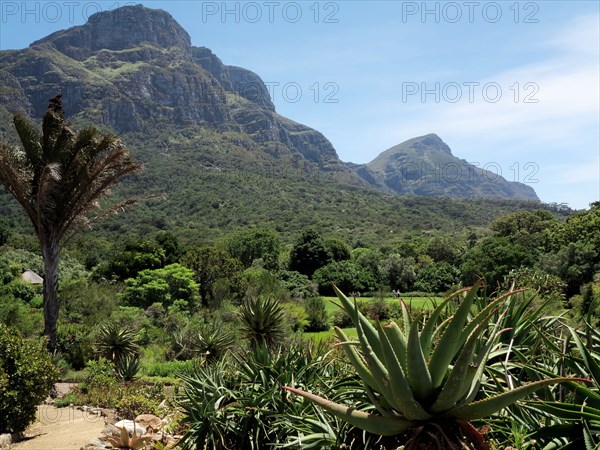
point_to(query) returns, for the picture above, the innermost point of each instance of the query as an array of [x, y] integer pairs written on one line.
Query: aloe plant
[[424, 378]]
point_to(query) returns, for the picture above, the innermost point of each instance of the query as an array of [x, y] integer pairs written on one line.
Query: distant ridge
[[425, 166]]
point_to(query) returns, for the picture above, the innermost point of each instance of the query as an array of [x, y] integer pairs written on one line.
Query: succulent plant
[[424, 378], [133, 442]]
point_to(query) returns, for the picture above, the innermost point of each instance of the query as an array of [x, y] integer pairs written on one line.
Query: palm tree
[[58, 178]]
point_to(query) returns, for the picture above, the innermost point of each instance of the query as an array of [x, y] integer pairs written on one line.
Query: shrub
[[318, 320], [132, 405], [115, 342], [170, 368], [26, 378]]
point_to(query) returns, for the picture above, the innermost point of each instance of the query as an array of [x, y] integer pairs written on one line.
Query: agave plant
[[127, 367], [424, 379], [263, 321], [124, 441], [114, 342]]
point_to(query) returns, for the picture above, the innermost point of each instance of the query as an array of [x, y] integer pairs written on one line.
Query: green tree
[[253, 244], [58, 177], [211, 264], [493, 259], [527, 228], [165, 285], [573, 263], [309, 253], [338, 249], [135, 257], [398, 272], [437, 277], [348, 276], [170, 244]]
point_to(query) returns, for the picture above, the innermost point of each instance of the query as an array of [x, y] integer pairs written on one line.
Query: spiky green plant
[[128, 367], [115, 342], [426, 381], [263, 321]]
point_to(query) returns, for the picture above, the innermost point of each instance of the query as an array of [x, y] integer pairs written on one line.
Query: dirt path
[[61, 429]]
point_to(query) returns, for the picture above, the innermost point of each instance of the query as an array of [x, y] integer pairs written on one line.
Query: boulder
[[149, 421], [130, 425]]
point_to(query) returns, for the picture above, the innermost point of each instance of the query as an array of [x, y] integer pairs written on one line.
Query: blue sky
[[511, 86]]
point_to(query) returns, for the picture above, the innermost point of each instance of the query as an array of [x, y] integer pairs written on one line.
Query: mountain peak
[[120, 29]]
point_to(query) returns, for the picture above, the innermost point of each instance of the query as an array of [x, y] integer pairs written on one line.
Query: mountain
[[212, 143], [425, 166]]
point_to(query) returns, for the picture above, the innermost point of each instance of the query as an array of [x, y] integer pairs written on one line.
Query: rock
[[96, 444], [149, 421], [130, 425]]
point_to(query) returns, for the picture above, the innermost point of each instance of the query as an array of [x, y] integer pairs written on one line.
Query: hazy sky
[[511, 86]]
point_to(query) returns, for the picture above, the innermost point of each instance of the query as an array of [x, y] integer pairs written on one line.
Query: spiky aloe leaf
[[454, 387], [383, 426], [567, 411], [369, 330], [402, 399], [449, 341], [482, 316], [356, 360], [376, 366], [397, 341], [589, 360], [491, 405], [429, 328], [418, 373]]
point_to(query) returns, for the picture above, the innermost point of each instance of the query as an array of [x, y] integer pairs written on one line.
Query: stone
[[130, 425], [149, 421]]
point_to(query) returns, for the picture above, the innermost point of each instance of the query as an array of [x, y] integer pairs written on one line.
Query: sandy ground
[[60, 429]]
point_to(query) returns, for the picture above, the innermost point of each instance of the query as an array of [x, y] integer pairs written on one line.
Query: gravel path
[[60, 429]]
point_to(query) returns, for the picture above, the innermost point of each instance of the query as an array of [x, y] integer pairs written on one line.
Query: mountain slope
[[425, 166], [210, 139]]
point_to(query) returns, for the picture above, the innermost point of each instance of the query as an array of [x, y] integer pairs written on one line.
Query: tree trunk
[[51, 257]]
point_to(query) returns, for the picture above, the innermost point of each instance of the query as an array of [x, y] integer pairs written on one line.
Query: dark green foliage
[[26, 378], [136, 256], [166, 285], [262, 321], [74, 343], [115, 342], [346, 275], [211, 264], [317, 317], [493, 259], [573, 263], [441, 249], [338, 249], [299, 286], [170, 244], [526, 227], [309, 253], [5, 232], [255, 244], [88, 302], [398, 272], [437, 277]]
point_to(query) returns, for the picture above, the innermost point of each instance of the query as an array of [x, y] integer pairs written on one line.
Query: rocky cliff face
[[425, 166], [134, 68]]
